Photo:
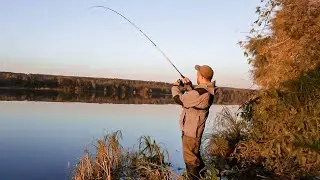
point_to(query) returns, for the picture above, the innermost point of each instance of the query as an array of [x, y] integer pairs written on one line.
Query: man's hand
[[187, 84], [178, 83], [186, 81], [182, 82]]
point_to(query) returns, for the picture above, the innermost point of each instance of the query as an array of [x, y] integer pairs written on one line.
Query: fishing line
[[135, 26]]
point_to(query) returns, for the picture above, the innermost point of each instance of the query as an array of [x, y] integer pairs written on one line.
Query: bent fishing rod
[[135, 26]]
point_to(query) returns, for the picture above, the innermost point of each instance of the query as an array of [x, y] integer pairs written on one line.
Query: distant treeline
[[85, 97], [39, 87]]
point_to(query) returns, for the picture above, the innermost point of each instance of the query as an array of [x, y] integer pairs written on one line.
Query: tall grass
[[228, 131], [112, 161], [108, 161], [151, 161]]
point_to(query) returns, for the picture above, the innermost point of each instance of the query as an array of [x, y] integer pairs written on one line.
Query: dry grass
[[111, 161], [229, 130], [107, 162]]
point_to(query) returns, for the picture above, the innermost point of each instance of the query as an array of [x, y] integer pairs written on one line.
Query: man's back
[[196, 104]]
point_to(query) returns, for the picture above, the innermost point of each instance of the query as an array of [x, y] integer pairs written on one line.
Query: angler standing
[[195, 102]]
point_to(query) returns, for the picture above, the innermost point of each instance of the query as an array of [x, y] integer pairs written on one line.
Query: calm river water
[[44, 140]]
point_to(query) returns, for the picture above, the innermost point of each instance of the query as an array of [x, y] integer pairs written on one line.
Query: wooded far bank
[[40, 87]]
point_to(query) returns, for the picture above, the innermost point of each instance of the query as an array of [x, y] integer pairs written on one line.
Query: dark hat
[[205, 70]]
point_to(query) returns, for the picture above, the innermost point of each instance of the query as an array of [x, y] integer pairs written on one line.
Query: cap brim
[[197, 67]]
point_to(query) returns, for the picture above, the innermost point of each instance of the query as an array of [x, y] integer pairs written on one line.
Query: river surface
[[44, 140]]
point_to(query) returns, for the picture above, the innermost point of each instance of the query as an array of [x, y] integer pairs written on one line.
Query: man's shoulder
[[200, 90]]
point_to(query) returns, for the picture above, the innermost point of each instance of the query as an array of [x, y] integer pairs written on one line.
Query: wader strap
[[204, 109]]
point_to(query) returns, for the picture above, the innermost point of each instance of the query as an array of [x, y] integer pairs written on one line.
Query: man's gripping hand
[[179, 82], [186, 81], [188, 84]]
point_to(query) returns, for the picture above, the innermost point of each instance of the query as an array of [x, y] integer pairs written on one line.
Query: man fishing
[[195, 102]]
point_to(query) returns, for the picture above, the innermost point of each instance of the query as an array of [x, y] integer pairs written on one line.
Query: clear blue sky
[[65, 37]]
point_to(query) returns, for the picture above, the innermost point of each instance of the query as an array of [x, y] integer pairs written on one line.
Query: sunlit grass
[[112, 161]]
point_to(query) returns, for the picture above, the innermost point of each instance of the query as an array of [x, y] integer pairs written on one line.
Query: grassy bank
[[222, 149], [111, 161]]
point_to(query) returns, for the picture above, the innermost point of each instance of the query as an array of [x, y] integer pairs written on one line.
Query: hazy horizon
[[65, 38]]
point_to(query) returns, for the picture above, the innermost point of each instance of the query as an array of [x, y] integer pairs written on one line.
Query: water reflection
[[224, 96], [85, 96], [43, 140]]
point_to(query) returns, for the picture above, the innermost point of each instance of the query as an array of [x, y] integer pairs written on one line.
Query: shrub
[[285, 132]]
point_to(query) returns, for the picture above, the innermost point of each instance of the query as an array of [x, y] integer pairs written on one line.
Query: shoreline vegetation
[[112, 161], [221, 147], [40, 87]]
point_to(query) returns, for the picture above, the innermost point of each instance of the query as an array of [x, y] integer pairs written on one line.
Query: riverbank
[[149, 159]]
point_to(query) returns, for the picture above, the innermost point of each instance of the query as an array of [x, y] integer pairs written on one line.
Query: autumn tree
[[284, 51]]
